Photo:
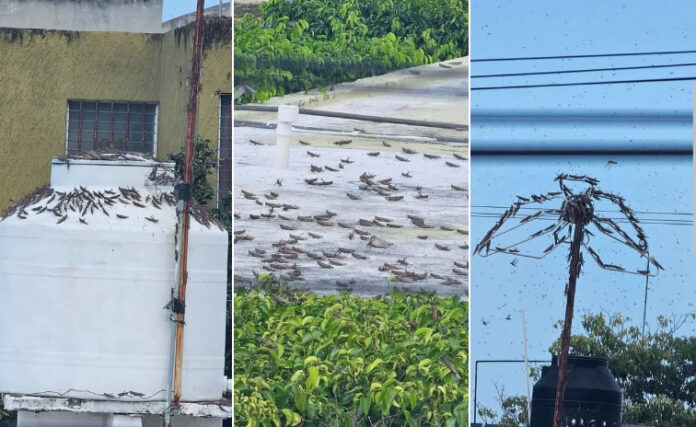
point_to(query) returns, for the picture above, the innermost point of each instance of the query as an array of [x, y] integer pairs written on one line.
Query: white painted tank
[[81, 303]]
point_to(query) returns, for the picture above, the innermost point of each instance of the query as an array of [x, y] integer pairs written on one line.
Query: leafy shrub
[[656, 371], [400, 359], [203, 165], [303, 44], [7, 418]]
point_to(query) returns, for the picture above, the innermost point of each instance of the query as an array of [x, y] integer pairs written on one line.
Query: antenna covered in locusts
[[573, 223]]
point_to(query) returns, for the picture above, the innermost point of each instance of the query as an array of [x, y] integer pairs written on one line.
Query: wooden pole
[[568, 323], [190, 130]]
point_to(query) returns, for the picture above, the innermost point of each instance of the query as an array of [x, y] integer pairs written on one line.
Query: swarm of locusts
[[81, 202], [576, 208], [572, 225]]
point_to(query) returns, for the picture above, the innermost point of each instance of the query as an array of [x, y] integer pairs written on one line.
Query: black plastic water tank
[[592, 396]]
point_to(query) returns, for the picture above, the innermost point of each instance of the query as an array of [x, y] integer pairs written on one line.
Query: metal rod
[[183, 273], [179, 289], [329, 131], [526, 368], [351, 116], [172, 317], [127, 125], [96, 125], [142, 137], [568, 323], [645, 300], [111, 135], [475, 389], [79, 134], [494, 361]]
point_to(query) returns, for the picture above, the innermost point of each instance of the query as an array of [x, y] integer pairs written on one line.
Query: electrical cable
[[609, 82], [583, 70], [597, 55]]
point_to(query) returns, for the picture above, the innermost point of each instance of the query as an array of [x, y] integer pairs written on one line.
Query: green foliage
[[656, 372], [224, 211], [303, 44], [7, 418], [513, 409], [204, 163], [342, 360]]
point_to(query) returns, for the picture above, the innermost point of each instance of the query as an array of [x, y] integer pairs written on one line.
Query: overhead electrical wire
[[649, 217], [582, 70], [596, 210], [596, 55], [675, 222], [542, 85]]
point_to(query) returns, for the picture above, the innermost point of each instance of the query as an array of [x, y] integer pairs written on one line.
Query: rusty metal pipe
[[568, 323], [190, 130], [178, 319]]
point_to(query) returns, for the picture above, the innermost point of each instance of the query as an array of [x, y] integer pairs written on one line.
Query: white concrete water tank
[[82, 288]]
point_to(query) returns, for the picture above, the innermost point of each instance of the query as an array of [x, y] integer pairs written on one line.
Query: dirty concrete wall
[[174, 91], [216, 78], [40, 71], [141, 16]]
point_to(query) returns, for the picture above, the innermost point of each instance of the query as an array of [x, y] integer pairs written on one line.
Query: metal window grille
[[225, 148], [107, 125]]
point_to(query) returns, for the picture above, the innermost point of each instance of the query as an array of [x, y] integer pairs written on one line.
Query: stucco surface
[[42, 69]]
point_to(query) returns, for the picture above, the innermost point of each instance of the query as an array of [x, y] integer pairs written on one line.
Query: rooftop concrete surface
[[427, 168]]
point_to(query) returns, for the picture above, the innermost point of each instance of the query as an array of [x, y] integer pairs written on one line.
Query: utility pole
[[184, 193], [575, 262]]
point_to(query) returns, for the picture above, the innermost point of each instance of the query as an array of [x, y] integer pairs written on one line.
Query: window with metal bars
[[225, 148], [106, 125]]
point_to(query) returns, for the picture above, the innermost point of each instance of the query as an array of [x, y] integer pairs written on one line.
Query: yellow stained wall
[[41, 70], [174, 92], [216, 78]]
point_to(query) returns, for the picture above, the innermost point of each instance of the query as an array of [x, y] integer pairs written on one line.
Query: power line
[[670, 79], [644, 221], [596, 210], [598, 55], [482, 149], [681, 223], [583, 70], [653, 219], [663, 117]]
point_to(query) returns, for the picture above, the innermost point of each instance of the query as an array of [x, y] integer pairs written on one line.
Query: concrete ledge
[[211, 409]]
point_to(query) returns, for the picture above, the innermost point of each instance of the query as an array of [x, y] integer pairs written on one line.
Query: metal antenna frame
[[576, 213]]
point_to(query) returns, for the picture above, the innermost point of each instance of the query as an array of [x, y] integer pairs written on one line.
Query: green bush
[[303, 44], [342, 360], [203, 166]]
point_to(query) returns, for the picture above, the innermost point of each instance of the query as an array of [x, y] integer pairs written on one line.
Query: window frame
[[219, 148], [112, 102]]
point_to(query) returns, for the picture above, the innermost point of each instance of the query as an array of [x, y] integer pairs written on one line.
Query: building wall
[[139, 16], [174, 91], [216, 78], [41, 69]]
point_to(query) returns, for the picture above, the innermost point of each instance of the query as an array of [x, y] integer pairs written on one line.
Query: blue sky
[[175, 8], [659, 187]]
